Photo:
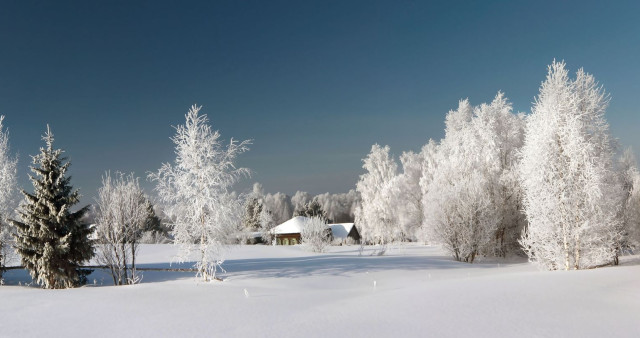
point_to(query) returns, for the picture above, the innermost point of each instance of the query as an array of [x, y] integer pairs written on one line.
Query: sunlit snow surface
[[412, 290]]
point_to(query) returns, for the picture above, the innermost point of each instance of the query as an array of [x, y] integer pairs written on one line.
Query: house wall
[[354, 234], [288, 239]]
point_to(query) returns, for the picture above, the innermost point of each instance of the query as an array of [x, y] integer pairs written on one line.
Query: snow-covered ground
[[412, 290]]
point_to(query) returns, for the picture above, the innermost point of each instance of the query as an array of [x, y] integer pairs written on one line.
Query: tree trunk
[[576, 264], [133, 261], [125, 275], [566, 246], [203, 258]]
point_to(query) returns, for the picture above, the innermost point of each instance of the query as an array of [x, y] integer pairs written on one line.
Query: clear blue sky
[[314, 84]]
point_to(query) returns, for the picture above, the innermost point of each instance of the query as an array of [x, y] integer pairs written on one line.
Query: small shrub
[[316, 235]]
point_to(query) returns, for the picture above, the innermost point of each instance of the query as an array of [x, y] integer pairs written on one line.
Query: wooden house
[[289, 232], [344, 233]]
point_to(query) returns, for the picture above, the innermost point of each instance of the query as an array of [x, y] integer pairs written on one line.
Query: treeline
[[553, 184], [263, 211]]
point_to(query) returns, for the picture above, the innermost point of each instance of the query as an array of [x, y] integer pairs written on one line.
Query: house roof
[[296, 224], [292, 226], [341, 230]]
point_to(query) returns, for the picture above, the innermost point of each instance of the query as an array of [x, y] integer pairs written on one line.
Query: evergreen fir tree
[[251, 218], [51, 240], [313, 209], [153, 223]]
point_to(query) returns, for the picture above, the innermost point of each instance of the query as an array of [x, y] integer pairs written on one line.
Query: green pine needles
[[51, 240]]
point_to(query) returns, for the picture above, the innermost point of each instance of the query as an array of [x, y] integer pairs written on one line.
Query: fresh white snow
[[285, 291], [292, 226], [341, 230]]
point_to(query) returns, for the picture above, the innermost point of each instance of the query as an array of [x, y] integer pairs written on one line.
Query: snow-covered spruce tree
[[316, 235], [155, 231], [8, 189], [252, 210], [571, 194], [121, 211], [313, 209], [376, 217], [52, 241], [195, 189]]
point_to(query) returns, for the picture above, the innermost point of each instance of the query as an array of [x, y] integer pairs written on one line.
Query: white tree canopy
[[196, 190], [459, 195], [8, 193], [375, 216], [571, 195]]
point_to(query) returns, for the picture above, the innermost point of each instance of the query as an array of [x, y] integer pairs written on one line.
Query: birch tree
[[629, 212], [498, 138], [121, 211], [8, 189], [279, 205], [196, 190], [316, 235], [375, 216], [407, 196], [571, 194], [299, 201], [631, 228], [429, 166], [458, 202]]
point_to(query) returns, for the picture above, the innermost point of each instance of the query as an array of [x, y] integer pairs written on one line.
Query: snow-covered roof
[[292, 226], [341, 230]]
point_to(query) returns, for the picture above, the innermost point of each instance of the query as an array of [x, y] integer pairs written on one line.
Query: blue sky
[[314, 84]]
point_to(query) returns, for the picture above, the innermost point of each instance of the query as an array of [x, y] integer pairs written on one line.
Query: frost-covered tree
[[629, 213], [407, 196], [338, 208], [469, 183], [8, 189], [375, 216], [52, 241], [253, 209], [316, 235], [122, 211], [429, 166], [155, 230], [631, 229], [257, 216], [313, 209], [299, 201], [279, 205], [266, 225], [196, 189], [499, 135], [459, 197], [571, 194]]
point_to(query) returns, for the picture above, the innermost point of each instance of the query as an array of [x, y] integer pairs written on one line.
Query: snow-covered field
[[279, 291]]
